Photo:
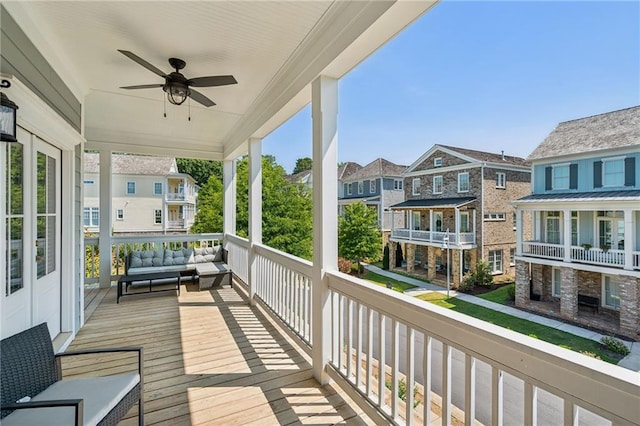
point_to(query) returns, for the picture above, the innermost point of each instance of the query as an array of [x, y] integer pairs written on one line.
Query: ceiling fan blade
[[200, 98], [212, 80], [143, 86], [142, 62]]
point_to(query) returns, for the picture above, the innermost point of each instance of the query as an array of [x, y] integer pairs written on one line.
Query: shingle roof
[[435, 202], [378, 168], [488, 156], [609, 130], [630, 195], [300, 177], [347, 169], [124, 164]]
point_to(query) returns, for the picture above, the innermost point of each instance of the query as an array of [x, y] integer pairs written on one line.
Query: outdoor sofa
[[34, 392]]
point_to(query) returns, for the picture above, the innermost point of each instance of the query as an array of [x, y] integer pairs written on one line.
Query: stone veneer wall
[[629, 306], [522, 283], [569, 293]]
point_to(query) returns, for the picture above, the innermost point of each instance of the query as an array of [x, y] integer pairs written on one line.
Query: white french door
[[47, 230]]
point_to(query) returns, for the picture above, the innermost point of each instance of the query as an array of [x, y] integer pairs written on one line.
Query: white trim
[[161, 188], [593, 154], [504, 180], [126, 187], [437, 162]]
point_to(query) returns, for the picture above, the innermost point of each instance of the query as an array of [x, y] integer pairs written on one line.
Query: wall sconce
[[7, 115]]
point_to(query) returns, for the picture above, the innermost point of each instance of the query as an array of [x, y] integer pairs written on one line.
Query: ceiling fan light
[[177, 93]]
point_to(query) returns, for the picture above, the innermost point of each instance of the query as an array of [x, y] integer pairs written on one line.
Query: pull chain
[[165, 106], [189, 108]]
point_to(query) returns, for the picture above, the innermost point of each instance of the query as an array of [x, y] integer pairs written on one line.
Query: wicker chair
[[34, 392]]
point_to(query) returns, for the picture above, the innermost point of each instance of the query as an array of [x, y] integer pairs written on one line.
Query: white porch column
[[105, 219], [410, 212], [431, 225], [456, 216], [475, 226], [255, 211], [629, 239], [324, 113], [229, 209], [566, 218], [518, 231]]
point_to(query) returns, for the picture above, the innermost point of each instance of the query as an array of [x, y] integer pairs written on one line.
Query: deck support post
[[105, 218], [324, 113], [255, 211]]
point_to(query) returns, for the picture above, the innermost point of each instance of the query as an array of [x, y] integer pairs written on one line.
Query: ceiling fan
[[177, 86]]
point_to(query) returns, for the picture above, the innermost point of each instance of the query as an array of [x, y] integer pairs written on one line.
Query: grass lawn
[[498, 295], [381, 280], [532, 329]]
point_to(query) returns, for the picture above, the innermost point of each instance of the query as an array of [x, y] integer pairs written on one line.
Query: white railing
[[597, 256], [175, 223], [434, 236], [549, 251], [238, 256], [121, 246], [175, 196], [475, 369], [285, 288]]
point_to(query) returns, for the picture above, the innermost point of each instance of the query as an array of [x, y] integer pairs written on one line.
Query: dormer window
[[372, 186], [360, 187], [437, 162]]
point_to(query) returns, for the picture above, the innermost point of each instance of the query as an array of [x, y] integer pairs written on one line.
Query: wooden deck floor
[[209, 358]]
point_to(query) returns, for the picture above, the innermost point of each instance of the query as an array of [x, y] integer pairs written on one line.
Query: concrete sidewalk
[[631, 361]]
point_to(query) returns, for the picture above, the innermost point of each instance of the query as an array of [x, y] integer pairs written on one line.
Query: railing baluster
[[349, 331], [470, 390], [341, 321], [358, 345], [369, 383], [426, 378], [382, 375], [395, 355], [530, 404], [446, 384], [570, 413], [496, 396], [410, 377]]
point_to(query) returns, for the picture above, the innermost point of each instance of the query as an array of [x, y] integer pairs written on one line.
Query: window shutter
[[547, 178], [630, 171], [597, 174], [573, 176]]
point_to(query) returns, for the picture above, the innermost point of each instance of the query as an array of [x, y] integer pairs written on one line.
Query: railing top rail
[[540, 243], [165, 238], [243, 242], [294, 263], [568, 374]]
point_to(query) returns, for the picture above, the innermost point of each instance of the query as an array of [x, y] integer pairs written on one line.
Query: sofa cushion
[[146, 258], [204, 254], [154, 269], [218, 254], [177, 257], [100, 395]]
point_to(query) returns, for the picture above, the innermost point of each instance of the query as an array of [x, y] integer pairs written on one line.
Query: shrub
[[483, 274], [511, 292], [615, 345], [385, 258], [344, 265], [468, 283]]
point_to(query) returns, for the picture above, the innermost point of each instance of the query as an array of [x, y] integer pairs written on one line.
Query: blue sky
[[483, 75]]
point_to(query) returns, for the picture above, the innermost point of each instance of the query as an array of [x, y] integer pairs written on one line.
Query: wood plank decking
[[210, 358]]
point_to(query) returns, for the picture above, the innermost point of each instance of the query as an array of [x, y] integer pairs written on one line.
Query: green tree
[[358, 234], [200, 170], [302, 165], [286, 209], [209, 216]]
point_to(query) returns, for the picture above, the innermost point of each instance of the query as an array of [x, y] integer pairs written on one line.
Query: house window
[[397, 184], [131, 187], [552, 228], [512, 257], [464, 221], [560, 176], [556, 282], [437, 184], [463, 182], [437, 162], [437, 217], [89, 181], [495, 261], [574, 228], [501, 180], [372, 186], [91, 216], [416, 186], [610, 292], [349, 188], [119, 214], [157, 188], [613, 172], [157, 216], [360, 187], [494, 216], [416, 220]]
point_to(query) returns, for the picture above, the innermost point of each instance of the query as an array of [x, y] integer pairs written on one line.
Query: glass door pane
[[604, 232], [14, 222], [46, 214]]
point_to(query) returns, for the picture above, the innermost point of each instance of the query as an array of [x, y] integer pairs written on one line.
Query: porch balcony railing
[[546, 250], [598, 256], [460, 238], [180, 223], [175, 196], [121, 246], [382, 341]]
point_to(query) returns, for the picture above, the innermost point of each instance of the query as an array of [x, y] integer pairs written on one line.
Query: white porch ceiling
[[273, 48]]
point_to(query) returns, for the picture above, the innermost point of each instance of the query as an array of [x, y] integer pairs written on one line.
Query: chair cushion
[[100, 394], [205, 254], [177, 257], [146, 258]]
